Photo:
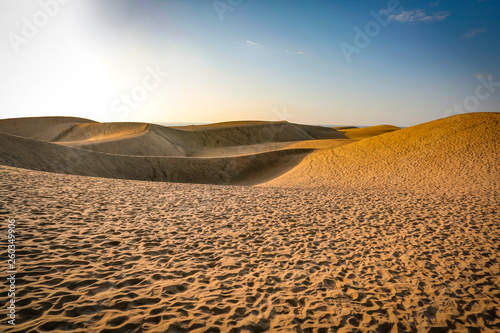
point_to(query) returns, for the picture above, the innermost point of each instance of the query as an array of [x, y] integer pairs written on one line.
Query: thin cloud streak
[[474, 32], [250, 43], [420, 15]]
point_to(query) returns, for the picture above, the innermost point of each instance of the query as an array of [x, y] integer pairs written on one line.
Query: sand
[[143, 139], [246, 153], [397, 232], [105, 255], [458, 153], [366, 132]]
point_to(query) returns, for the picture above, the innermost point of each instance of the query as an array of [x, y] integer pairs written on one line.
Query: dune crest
[[459, 152], [367, 132], [40, 128]]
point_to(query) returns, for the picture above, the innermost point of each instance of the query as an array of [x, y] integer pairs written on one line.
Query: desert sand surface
[[398, 232], [107, 255]]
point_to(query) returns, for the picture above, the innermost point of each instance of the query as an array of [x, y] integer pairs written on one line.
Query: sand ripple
[[100, 255]]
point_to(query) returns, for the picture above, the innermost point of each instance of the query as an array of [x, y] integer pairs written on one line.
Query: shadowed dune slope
[[40, 128], [303, 131], [155, 140], [225, 124], [121, 138], [247, 134], [457, 153], [87, 132], [45, 156]]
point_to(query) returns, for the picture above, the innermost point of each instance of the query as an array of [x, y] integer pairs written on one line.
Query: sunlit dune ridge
[[459, 152]]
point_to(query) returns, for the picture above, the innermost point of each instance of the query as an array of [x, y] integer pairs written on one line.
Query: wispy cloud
[[294, 52], [420, 15], [250, 43], [474, 32]]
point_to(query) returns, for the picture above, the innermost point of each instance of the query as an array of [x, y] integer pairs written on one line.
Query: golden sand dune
[[459, 152], [367, 132], [106, 255]]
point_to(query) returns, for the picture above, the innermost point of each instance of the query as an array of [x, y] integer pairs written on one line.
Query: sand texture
[[105, 255]]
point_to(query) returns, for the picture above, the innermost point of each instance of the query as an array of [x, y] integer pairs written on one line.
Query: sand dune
[[225, 139], [225, 124], [165, 141], [205, 137], [233, 153], [456, 153], [121, 138], [46, 156], [40, 128], [88, 132], [367, 132]]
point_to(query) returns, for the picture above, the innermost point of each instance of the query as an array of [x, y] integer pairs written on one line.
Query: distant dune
[[230, 153], [459, 152], [40, 128], [155, 140], [44, 156], [367, 132]]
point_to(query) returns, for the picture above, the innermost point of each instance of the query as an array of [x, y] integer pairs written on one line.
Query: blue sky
[[200, 61]]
